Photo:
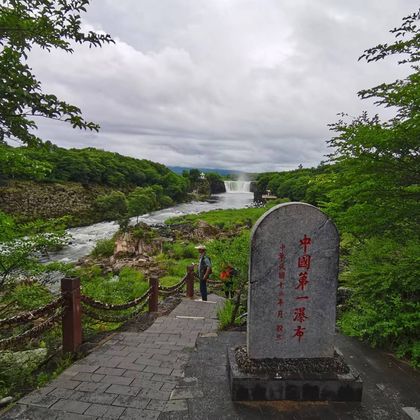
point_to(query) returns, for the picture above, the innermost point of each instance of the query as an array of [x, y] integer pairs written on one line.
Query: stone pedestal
[[302, 387]]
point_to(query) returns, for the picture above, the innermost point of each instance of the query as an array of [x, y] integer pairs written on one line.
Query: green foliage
[[296, 185], [22, 371], [128, 285], [194, 175], [216, 182], [373, 196], [226, 218], [104, 248], [176, 267], [157, 186], [16, 370], [179, 250], [48, 24], [379, 171], [224, 315], [233, 252], [143, 232], [112, 206], [145, 199], [385, 308], [29, 296], [17, 254], [167, 281], [7, 227], [15, 164]]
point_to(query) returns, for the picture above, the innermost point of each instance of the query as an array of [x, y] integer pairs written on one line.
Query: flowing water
[[238, 187], [83, 239]]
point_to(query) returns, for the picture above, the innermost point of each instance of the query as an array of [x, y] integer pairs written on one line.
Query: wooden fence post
[[190, 281], [154, 295], [72, 319]]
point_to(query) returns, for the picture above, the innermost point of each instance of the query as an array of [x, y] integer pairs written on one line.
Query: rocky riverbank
[[138, 247], [29, 200]]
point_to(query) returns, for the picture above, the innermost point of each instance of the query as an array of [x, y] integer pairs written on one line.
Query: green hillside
[[87, 184]]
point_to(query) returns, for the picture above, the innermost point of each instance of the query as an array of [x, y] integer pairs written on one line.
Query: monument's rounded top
[[285, 205]]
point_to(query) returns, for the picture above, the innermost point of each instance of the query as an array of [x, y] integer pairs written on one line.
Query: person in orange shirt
[[227, 277]]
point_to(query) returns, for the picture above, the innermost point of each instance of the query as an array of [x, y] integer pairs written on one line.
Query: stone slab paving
[[132, 376], [391, 388]]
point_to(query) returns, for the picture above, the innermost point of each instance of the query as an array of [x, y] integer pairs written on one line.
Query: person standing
[[227, 277], [204, 270]]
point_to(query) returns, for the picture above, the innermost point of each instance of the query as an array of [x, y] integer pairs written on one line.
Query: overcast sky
[[239, 84]]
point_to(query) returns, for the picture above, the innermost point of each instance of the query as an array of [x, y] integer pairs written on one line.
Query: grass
[[224, 315], [226, 219]]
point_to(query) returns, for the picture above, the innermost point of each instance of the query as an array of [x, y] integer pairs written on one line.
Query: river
[[83, 239]]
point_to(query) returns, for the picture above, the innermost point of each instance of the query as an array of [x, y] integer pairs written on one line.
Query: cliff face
[[31, 200]]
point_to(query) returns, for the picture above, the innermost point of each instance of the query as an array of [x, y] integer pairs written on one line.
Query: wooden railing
[[72, 305]]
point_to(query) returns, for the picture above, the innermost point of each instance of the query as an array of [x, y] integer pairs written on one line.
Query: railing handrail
[[71, 310], [28, 316], [114, 307], [174, 287], [31, 333]]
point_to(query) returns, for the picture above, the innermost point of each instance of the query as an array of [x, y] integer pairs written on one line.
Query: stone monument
[[292, 284], [291, 310]]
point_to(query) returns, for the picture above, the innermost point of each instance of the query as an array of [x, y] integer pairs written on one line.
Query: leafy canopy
[[378, 177], [47, 24]]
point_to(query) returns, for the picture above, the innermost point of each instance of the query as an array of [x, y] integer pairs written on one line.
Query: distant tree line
[[50, 163]]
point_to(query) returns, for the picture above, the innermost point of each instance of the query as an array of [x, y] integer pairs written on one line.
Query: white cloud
[[242, 84]]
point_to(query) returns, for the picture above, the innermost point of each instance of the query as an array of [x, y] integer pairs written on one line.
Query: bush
[[112, 206], [180, 251], [385, 304], [104, 248]]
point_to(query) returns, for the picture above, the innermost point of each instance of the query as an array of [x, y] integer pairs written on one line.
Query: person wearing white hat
[[204, 270]]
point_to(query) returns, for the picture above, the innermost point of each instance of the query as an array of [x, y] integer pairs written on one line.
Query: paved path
[[131, 376], [176, 370], [391, 389]]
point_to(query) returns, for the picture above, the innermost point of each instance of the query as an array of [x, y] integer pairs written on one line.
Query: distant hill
[[222, 172]]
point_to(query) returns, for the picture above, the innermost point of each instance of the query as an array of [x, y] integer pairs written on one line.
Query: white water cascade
[[238, 186]]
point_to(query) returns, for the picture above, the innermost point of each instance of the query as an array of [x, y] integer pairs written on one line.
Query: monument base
[[297, 387]]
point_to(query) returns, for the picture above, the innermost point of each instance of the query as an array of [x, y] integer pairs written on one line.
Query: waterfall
[[237, 186]]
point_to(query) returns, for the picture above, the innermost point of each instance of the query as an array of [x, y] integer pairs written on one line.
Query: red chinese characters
[[280, 293], [299, 332], [299, 313], [303, 281]]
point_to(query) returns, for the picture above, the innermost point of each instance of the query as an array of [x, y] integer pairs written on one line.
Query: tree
[[374, 196], [217, 185], [112, 206], [378, 180], [20, 246], [15, 164], [140, 201], [48, 24]]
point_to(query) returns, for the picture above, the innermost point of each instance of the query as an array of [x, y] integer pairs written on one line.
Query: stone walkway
[[131, 376], [176, 370]]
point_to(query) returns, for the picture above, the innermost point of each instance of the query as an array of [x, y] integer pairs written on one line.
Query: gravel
[[290, 367]]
